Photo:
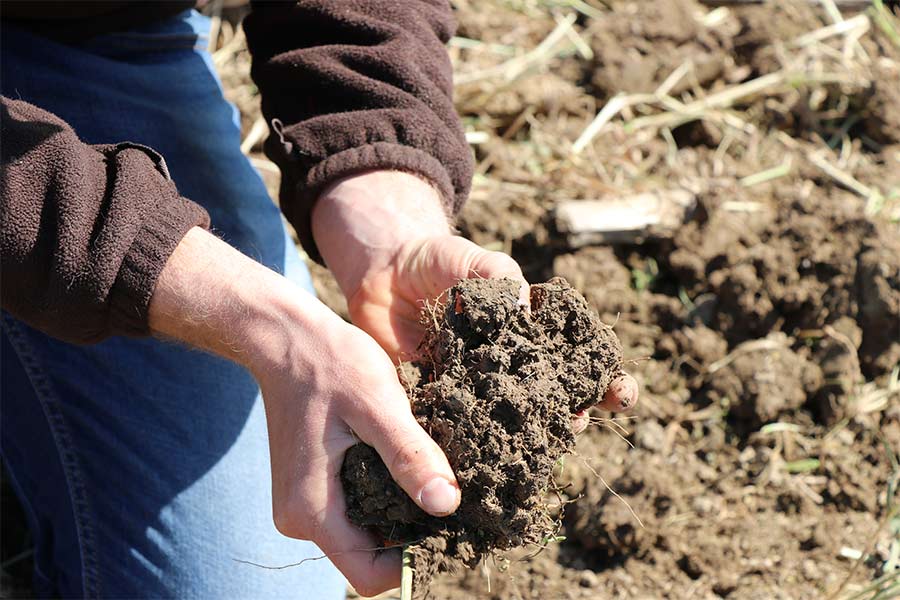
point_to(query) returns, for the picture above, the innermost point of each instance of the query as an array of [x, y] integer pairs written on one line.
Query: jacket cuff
[[378, 155], [129, 299]]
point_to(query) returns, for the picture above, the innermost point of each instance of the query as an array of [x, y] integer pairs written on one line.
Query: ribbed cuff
[[130, 295], [379, 155]]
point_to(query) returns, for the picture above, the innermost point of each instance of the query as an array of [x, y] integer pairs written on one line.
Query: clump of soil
[[495, 385], [765, 379]]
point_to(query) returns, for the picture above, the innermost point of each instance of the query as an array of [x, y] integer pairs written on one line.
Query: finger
[[315, 509], [621, 395], [414, 460], [458, 258], [580, 421], [353, 551]]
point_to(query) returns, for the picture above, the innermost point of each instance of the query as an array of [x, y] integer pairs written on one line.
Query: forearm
[[211, 296]]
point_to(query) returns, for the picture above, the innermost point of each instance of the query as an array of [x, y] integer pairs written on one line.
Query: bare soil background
[[762, 459], [765, 332]]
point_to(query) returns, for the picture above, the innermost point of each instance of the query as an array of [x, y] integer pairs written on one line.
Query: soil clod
[[496, 386]]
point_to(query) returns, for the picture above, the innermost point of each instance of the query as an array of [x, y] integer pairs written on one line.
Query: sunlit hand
[[326, 386], [387, 240], [387, 304]]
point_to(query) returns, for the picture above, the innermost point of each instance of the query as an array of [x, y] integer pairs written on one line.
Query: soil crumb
[[495, 385]]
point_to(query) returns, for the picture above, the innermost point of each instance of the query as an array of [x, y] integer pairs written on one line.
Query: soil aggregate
[[496, 386]]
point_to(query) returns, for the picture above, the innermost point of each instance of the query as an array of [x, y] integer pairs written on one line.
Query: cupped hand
[[335, 388], [388, 302], [389, 244], [326, 385]]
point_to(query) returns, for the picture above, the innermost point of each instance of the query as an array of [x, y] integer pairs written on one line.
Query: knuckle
[[294, 523], [498, 263], [288, 525], [504, 260]]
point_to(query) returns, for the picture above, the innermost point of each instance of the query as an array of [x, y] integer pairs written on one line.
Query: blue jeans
[[142, 465]]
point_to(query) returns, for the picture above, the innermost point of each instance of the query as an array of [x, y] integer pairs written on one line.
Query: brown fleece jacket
[[347, 86], [86, 229], [357, 85]]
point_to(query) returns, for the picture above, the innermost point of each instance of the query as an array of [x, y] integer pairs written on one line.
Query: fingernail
[[439, 497]]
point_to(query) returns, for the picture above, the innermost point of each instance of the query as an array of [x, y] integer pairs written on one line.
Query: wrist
[[361, 223], [275, 321], [213, 297]]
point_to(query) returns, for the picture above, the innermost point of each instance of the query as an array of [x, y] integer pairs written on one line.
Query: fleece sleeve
[[86, 230], [353, 85]]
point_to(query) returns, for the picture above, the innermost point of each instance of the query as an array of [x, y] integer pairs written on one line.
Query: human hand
[[336, 388], [386, 239], [326, 386], [388, 272]]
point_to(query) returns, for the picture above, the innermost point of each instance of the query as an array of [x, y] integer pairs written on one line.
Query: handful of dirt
[[496, 386]]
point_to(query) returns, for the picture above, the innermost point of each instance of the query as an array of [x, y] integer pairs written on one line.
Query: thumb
[[444, 260], [496, 265], [415, 461]]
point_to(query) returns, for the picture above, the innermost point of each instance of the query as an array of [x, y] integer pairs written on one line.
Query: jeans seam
[[62, 440]]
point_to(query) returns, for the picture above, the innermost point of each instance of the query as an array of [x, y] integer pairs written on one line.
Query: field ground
[[762, 460]]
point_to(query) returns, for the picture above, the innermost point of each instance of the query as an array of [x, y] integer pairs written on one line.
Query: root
[[611, 491]]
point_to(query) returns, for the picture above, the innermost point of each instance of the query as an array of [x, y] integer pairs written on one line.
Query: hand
[[388, 302], [387, 240], [319, 404], [326, 385]]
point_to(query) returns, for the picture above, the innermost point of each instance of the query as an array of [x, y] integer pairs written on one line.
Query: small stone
[[703, 505], [810, 570]]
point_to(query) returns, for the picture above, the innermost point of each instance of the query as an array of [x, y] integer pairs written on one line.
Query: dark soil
[[636, 54], [496, 386], [764, 333]]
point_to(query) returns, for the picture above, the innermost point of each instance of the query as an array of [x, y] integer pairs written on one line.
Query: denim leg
[[34, 455], [144, 465]]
